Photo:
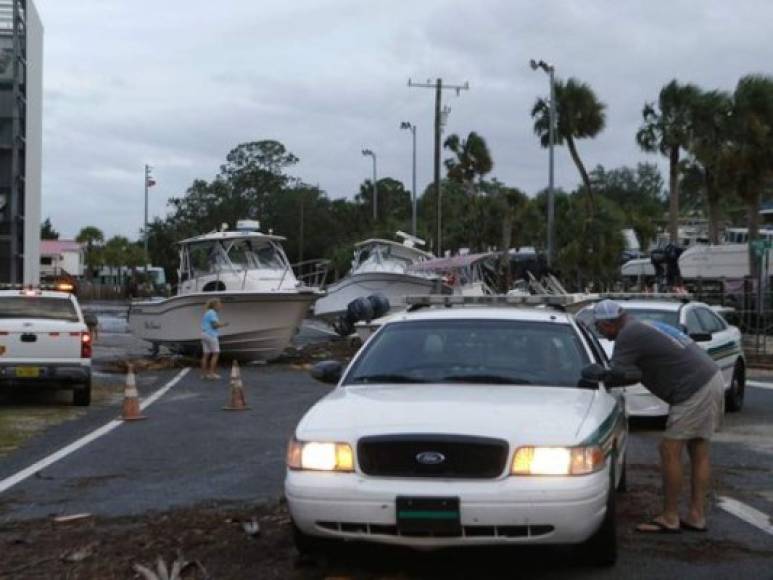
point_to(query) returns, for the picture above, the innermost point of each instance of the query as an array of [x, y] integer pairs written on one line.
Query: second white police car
[[704, 325], [463, 426]]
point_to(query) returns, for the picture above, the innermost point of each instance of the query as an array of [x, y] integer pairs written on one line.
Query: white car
[[704, 325], [44, 342], [463, 426]]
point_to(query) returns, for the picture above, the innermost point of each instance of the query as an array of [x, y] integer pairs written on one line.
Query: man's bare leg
[[700, 466], [671, 470]]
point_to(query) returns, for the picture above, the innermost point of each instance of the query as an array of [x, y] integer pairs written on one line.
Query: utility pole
[[439, 86]]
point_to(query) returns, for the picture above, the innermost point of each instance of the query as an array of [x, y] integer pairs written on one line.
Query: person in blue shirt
[[210, 345]]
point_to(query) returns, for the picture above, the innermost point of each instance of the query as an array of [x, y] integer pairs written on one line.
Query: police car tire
[[622, 485], [735, 394], [601, 548]]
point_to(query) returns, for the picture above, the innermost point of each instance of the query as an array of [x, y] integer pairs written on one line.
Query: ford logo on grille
[[430, 458]]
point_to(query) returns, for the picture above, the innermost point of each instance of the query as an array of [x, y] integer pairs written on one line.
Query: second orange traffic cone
[[237, 403], [131, 399]]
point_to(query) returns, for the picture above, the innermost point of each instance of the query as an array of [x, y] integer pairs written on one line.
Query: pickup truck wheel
[[734, 395], [81, 395]]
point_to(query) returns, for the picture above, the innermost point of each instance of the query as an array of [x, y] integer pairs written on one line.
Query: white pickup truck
[[44, 342]]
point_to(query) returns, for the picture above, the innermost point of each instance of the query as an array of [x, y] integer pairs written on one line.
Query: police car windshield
[[490, 352]]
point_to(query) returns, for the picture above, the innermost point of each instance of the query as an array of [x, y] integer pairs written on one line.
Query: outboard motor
[[361, 309]]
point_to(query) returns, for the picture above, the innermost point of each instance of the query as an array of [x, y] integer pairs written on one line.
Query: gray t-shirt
[[673, 367]]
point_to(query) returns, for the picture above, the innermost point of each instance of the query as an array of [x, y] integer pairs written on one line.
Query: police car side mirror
[[327, 371], [701, 336]]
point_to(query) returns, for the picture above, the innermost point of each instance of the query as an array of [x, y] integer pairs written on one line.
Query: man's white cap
[[607, 310]]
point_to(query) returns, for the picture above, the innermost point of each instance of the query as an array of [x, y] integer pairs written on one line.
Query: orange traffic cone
[[131, 400], [238, 402]]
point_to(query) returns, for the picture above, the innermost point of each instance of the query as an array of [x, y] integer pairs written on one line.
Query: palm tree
[[666, 129], [579, 115], [472, 161], [748, 161], [93, 238], [710, 132]]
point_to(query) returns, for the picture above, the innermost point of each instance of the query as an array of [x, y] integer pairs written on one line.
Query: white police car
[[704, 325], [463, 426]]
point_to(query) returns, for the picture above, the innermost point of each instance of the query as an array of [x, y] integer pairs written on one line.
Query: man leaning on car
[[678, 371]]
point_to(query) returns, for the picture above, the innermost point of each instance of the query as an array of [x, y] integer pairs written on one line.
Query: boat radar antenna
[[409, 240]]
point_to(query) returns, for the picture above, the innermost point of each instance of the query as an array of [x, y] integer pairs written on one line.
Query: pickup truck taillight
[[85, 345]]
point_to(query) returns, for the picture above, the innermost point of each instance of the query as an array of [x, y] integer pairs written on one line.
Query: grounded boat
[[263, 300], [382, 267]]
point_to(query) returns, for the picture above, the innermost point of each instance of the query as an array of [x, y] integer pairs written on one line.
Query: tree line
[[719, 146]]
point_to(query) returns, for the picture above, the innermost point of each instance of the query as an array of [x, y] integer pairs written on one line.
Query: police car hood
[[536, 415]]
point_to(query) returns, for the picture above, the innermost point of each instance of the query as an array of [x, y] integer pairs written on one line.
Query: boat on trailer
[[264, 302]]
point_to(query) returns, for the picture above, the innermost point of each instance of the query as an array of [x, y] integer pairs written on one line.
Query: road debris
[[71, 518]]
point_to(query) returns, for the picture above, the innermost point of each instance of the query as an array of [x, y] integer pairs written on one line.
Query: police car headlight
[[557, 460], [319, 456]]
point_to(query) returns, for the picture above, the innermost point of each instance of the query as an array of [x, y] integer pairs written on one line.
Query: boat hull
[[392, 285], [260, 324]]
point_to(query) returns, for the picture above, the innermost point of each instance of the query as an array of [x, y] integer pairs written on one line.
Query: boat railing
[[311, 273]]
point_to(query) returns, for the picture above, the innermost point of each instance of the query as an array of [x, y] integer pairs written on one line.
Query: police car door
[[723, 347]]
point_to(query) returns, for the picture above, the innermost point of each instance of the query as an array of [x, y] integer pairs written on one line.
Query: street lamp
[[412, 128], [369, 153], [550, 70]]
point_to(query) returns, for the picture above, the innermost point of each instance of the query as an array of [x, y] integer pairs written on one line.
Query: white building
[[60, 257], [21, 139]]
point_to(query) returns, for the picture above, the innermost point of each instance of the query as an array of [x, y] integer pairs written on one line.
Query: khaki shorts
[[699, 416], [210, 344]]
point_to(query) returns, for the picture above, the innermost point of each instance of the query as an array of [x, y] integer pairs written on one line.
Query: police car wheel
[[735, 394]]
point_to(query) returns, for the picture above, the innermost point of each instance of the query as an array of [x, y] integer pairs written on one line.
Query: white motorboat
[[263, 300], [465, 275], [381, 267]]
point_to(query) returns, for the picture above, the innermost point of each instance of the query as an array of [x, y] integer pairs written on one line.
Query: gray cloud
[[178, 83]]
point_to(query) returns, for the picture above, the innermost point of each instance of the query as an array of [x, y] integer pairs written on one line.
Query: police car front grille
[[433, 455]]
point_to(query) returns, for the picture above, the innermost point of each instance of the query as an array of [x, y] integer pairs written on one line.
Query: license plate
[[429, 516], [27, 372]]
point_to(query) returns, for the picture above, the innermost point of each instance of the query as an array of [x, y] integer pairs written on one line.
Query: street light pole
[[412, 128], [145, 230], [369, 153], [550, 69]]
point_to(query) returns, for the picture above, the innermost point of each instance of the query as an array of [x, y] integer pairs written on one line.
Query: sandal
[[658, 527]]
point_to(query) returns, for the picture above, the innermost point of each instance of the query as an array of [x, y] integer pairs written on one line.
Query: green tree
[[579, 115], [639, 193], [93, 238], [47, 231], [748, 161], [666, 129], [711, 127], [472, 160]]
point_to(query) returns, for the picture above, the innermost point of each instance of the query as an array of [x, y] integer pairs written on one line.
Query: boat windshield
[[234, 256], [378, 254]]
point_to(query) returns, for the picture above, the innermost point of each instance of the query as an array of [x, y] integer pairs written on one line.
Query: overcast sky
[[178, 83]]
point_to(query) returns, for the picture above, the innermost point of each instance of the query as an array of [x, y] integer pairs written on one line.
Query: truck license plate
[[27, 372]]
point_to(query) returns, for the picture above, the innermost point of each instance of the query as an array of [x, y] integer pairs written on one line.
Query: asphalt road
[[189, 452]]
